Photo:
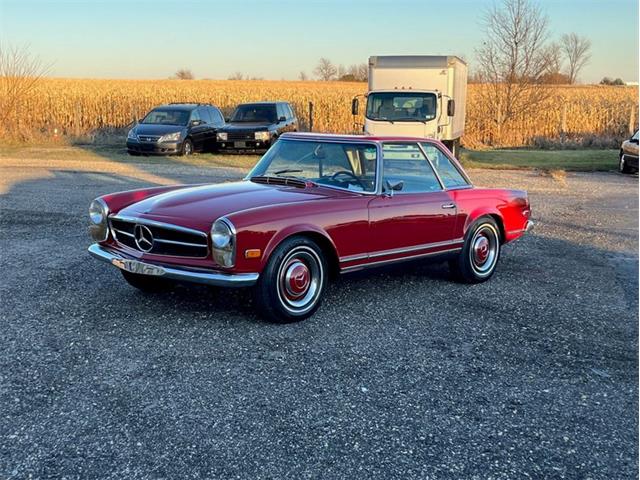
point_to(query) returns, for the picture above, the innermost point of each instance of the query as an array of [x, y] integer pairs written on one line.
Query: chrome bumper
[[208, 278], [529, 226]]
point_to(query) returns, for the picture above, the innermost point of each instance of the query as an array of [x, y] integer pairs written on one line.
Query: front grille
[[167, 239], [246, 135], [149, 138]]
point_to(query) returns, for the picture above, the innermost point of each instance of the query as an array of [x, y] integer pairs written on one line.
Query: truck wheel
[[146, 283], [479, 256], [292, 284]]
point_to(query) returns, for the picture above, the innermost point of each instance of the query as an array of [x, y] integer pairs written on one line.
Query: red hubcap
[[297, 279], [481, 249]]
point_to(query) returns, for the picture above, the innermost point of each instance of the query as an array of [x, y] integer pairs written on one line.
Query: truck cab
[[416, 96]]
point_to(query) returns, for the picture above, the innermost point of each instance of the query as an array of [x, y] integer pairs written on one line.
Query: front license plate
[[240, 144], [135, 266]]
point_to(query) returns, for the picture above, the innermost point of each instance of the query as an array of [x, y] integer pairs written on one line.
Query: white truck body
[[411, 96]]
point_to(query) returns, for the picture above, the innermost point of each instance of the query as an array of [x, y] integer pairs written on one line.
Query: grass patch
[[586, 160]]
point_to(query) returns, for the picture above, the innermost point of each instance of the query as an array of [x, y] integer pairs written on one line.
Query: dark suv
[[177, 128], [255, 126], [628, 158]]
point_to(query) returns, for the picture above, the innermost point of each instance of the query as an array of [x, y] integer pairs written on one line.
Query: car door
[[292, 120], [197, 130], [417, 218]]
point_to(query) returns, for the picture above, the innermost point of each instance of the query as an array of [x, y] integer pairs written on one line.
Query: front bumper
[[218, 279], [154, 148], [242, 145]]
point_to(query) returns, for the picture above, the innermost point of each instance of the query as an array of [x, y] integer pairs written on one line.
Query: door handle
[[448, 205]]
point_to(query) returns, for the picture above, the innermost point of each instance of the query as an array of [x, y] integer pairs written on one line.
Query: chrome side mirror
[[391, 187]]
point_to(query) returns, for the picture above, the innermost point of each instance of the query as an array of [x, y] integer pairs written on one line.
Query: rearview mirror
[[355, 106], [451, 108], [391, 186]]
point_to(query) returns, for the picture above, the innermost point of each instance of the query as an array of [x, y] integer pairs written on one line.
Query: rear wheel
[[480, 253], [292, 284], [146, 283]]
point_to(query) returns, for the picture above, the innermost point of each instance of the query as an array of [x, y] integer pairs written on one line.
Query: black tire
[[133, 154], [622, 165], [146, 283], [292, 284], [187, 148], [480, 254]]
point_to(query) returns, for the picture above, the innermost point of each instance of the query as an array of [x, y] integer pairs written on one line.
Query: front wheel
[[292, 284], [187, 148], [479, 256], [622, 165]]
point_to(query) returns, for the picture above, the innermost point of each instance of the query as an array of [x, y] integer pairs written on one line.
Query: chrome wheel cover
[[299, 280], [187, 148], [484, 250]]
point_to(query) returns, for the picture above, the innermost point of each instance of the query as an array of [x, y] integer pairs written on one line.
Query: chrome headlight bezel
[[170, 137], [264, 136], [222, 136], [99, 218], [223, 242]]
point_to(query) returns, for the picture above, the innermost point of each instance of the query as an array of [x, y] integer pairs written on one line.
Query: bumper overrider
[[218, 279]]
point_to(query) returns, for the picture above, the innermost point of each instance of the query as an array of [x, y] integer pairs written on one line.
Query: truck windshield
[[401, 106], [255, 113], [351, 166]]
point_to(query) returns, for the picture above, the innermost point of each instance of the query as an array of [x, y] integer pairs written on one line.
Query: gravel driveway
[[401, 373]]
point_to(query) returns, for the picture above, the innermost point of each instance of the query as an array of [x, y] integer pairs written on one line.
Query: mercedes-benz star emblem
[[143, 237]]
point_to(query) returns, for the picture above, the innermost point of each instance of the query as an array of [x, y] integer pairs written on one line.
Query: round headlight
[[220, 234], [97, 212]]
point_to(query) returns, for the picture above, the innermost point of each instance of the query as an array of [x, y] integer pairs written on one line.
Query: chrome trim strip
[[154, 223], [398, 260], [396, 251], [442, 185], [174, 242], [527, 228], [208, 278], [127, 234]]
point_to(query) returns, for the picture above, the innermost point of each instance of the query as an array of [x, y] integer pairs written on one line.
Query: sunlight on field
[[75, 107]]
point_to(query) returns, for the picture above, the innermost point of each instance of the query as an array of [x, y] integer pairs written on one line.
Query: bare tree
[[236, 76], [302, 76], [577, 50], [184, 74], [511, 60], [19, 75], [363, 72], [554, 59], [325, 70]]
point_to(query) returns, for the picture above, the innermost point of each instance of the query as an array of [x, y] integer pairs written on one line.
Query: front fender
[[291, 230]]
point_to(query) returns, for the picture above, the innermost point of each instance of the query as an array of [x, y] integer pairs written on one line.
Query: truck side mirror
[[355, 106], [451, 107]]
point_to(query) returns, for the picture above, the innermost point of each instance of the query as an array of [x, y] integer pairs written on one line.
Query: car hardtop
[[332, 137], [182, 106], [276, 102]]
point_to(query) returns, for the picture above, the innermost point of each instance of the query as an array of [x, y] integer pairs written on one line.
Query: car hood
[[242, 126], [198, 206], [154, 129]]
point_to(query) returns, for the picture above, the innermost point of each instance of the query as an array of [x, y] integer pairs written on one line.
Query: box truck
[[417, 96]]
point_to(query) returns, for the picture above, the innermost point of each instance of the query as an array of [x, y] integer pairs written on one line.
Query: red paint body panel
[[360, 228]]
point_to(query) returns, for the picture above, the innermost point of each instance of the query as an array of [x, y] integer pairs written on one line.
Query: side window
[[635, 136], [281, 112], [204, 114], [406, 163], [195, 115], [218, 119], [289, 111], [449, 174]]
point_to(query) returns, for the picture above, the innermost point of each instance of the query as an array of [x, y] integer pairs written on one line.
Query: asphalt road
[[401, 374]]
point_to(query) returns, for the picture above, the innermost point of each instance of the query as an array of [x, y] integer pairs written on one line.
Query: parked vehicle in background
[[255, 126], [176, 129], [418, 96], [313, 206], [628, 159]]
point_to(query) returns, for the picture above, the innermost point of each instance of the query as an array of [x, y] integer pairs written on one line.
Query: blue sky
[[278, 39]]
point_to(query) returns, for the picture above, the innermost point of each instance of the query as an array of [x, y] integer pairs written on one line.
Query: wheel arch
[[319, 236], [490, 213]]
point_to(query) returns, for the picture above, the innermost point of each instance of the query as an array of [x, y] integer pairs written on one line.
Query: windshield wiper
[[288, 170]]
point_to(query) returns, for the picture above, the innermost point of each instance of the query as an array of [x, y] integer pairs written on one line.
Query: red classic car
[[313, 206]]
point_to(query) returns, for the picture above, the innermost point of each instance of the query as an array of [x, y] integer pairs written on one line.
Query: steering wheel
[[349, 174]]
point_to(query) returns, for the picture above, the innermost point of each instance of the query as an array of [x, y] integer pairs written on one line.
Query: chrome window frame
[[416, 143], [454, 162]]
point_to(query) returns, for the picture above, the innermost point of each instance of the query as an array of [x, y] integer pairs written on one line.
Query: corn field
[[77, 108]]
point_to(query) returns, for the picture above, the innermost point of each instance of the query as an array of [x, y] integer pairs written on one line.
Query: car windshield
[[255, 113], [161, 116], [343, 165], [401, 106]]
